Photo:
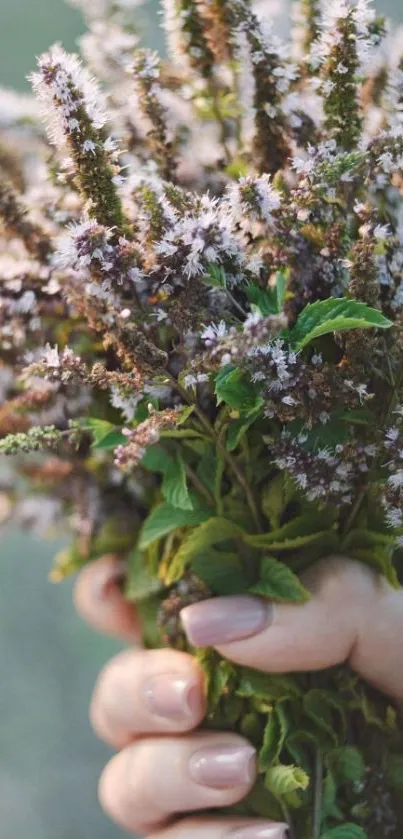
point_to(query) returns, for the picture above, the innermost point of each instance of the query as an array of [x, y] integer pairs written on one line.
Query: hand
[[147, 704]]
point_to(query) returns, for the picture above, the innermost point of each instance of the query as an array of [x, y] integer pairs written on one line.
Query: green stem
[[318, 796], [197, 483], [220, 120], [229, 459]]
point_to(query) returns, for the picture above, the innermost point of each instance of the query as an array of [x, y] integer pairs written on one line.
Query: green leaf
[[215, 276], [156, 459], [165, 518], [174, 486], [273, 738], [238, 428], [346, 764], [298, 532], [278, 582], [140, 583], [262, 686], [334, 315], [268, 301], [320, 706], [281, 780], [105, 435], [345, 831], [274, 500], [235, 389], [222, 572], [209, 533]]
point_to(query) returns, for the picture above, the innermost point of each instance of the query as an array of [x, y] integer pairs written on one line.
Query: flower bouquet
[[201, 364]]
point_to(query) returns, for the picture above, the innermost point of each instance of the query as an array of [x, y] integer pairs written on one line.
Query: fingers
[[207, 828], [100, 602], [149, 782], [147, 692], [353, 616]]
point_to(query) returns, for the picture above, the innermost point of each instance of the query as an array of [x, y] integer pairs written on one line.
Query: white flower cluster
[[252, 201], [361, 15], [65, 87]]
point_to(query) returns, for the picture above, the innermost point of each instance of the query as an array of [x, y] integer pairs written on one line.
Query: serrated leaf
[[268, 301], [222, 572], [164, 518], [298, 532], [209, 533], [334, 315], [105, 435], [235, 389], [281, 780], [140, 584], [262, 686], [278, 582], [345, 831], [273, 738], [174, 485], [320, 706], [156, 459], [347, 764], [238, 428]]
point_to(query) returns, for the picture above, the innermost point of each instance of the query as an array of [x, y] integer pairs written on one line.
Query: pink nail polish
[[262, 831], [225, 619], [169, 696], [222, 767]]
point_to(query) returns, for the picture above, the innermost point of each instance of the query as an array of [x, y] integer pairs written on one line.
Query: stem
[[229, 459], [199, 485], [219, 117], [287, 816], [318, 796], [236, 305]]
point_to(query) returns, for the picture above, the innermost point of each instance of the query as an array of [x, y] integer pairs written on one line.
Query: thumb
[[353, 616]]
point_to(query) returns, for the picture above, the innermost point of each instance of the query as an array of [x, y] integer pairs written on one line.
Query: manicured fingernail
[[169, 696], [225, 619], [223, 767], [260, 831], [108, 577]]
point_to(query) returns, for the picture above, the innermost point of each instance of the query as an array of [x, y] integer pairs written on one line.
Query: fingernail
[[222, 767], [261, 831], [225, 619], [169, 696], [108, 577]]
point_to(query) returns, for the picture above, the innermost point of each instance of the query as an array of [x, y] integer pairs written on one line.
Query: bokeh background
[[49, 759]]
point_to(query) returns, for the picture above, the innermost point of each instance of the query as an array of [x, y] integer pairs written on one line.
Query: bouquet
[[201, 364]]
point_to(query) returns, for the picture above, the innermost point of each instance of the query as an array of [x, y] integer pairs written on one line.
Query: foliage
[[201, 348]]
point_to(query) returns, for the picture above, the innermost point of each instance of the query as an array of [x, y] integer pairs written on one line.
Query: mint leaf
[[335, 315], [165, 518], [235, 389], [273, 739], [238, 428], [222, 572], [174, 486], [105, 435], [281, 780], [268, 301], [140, 583], [346, 764], [345, 831], [209, 533], [278, 582]]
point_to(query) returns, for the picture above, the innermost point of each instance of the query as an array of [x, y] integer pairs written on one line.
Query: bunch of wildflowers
[[201, 329]]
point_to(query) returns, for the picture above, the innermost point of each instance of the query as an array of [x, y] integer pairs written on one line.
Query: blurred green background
[[49, 759]]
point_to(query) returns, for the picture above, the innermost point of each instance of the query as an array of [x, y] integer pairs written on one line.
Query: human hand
[[147, 704]]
